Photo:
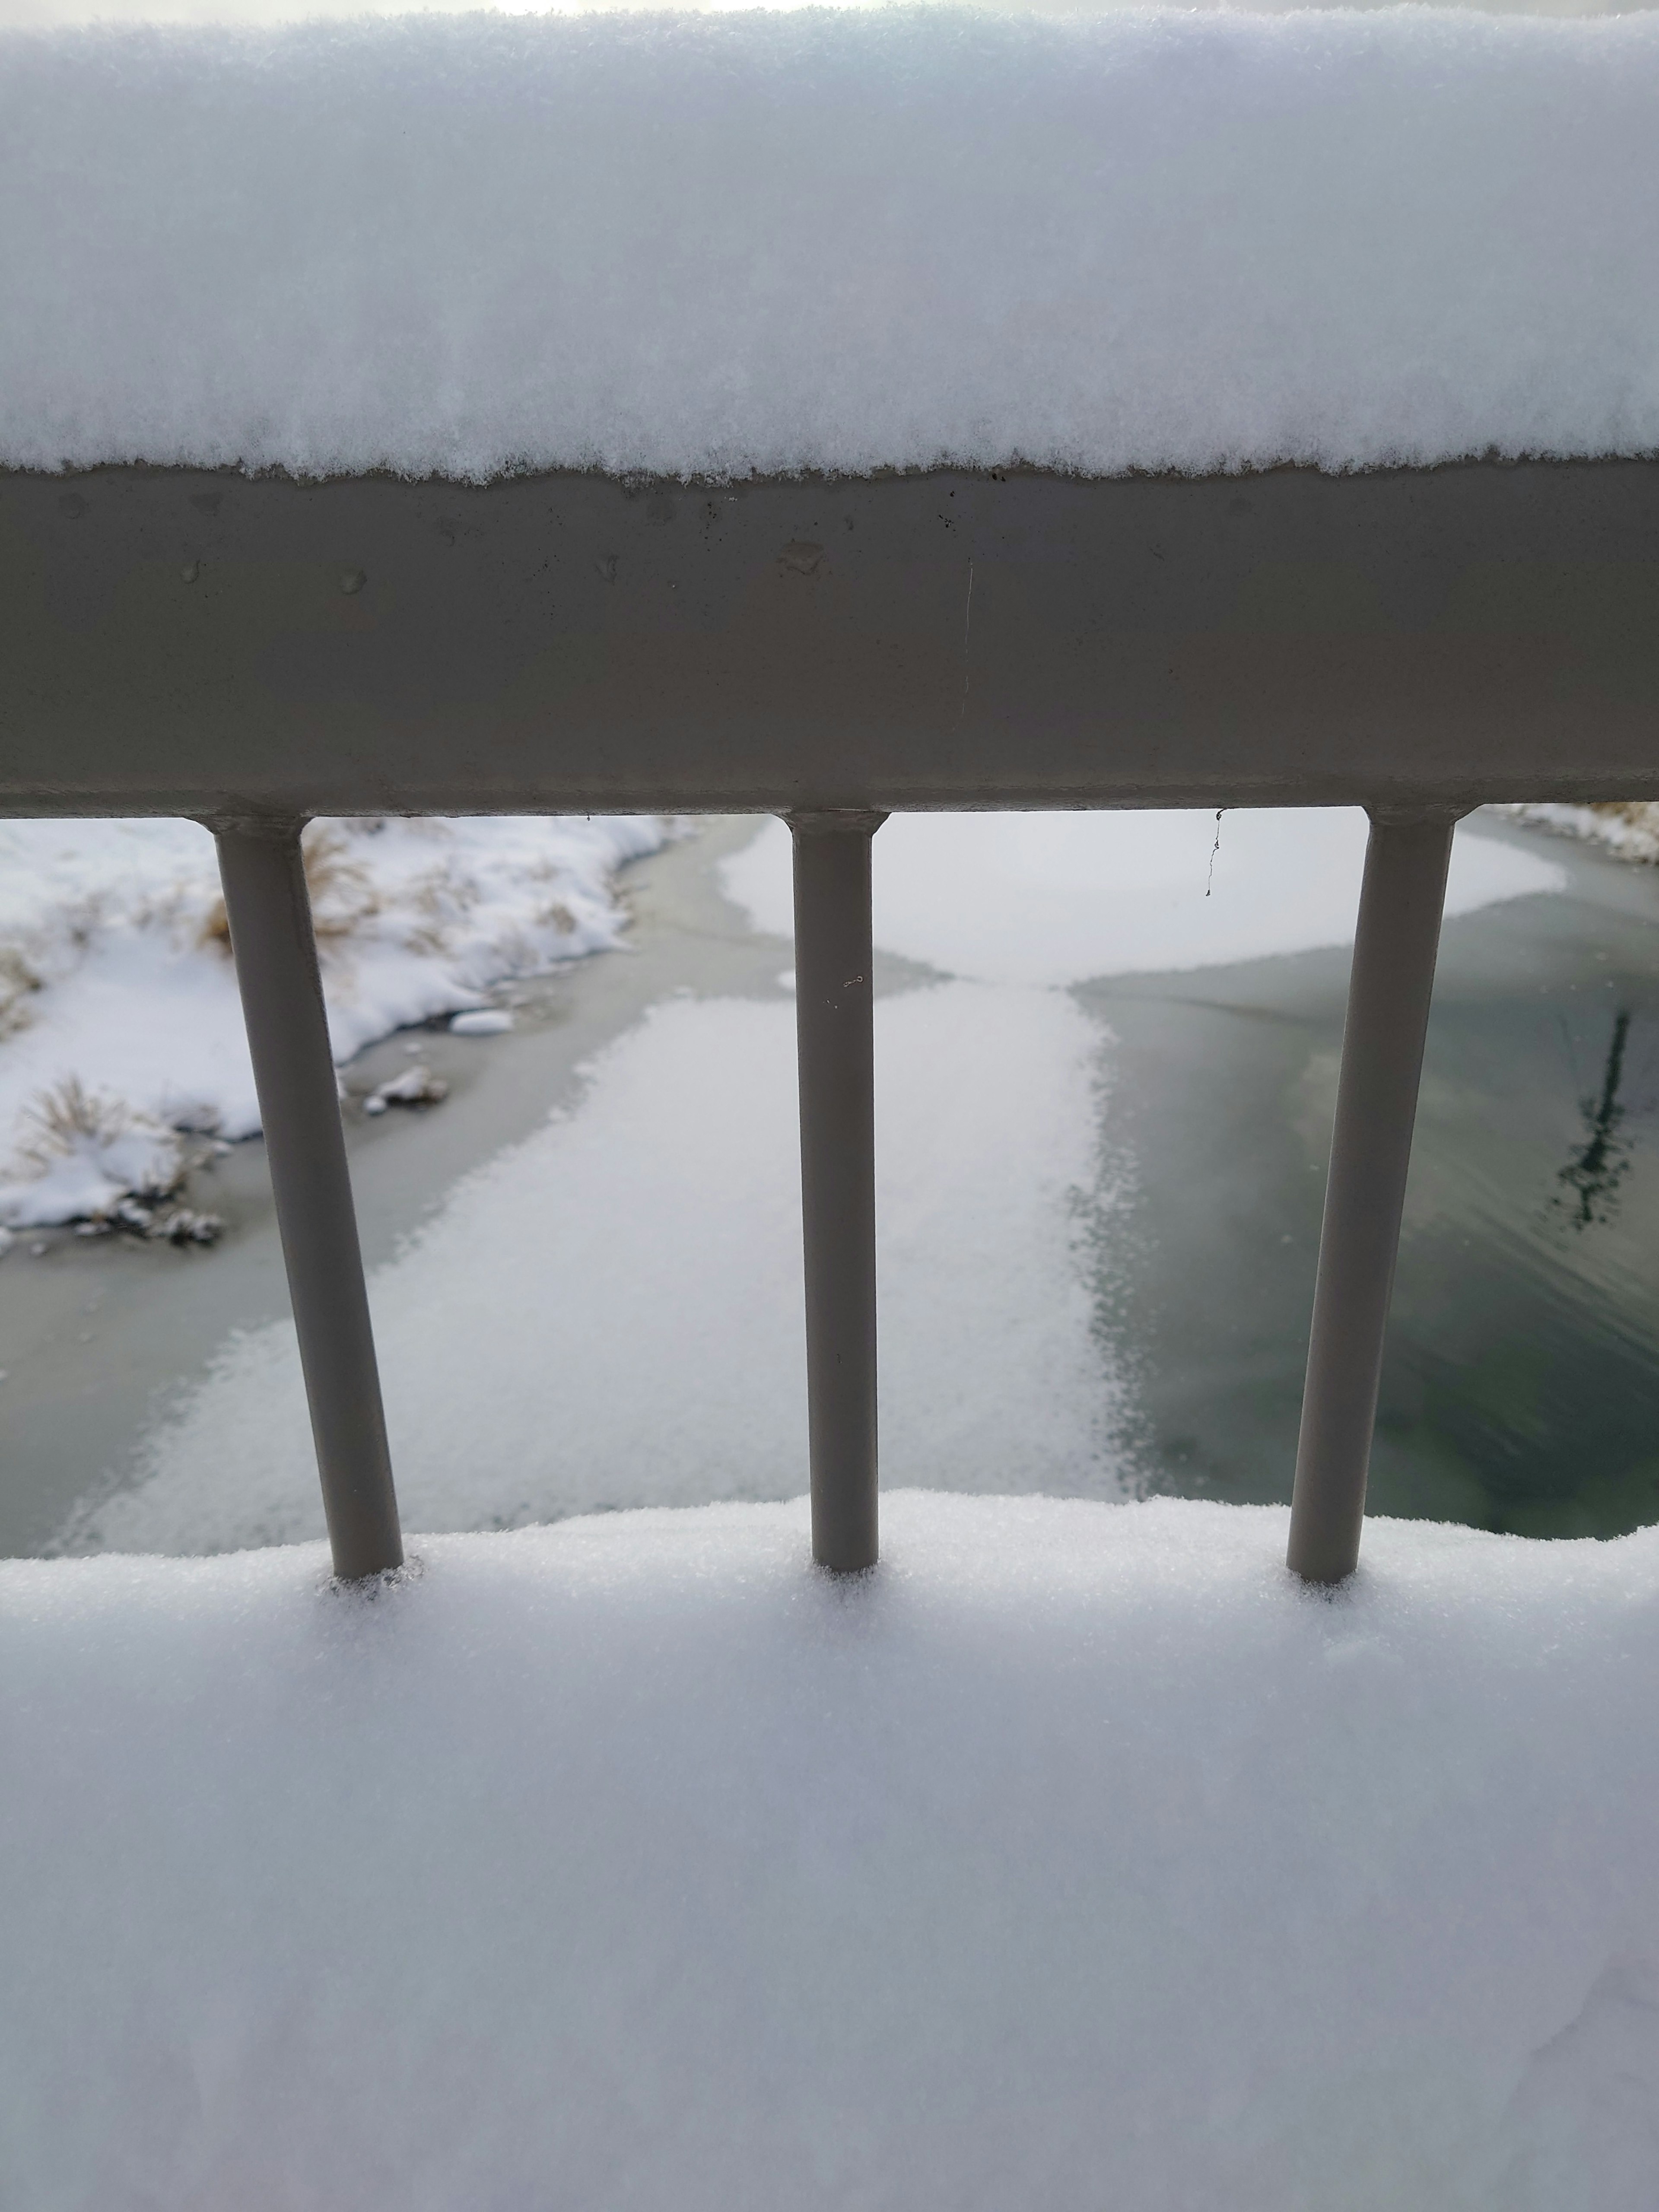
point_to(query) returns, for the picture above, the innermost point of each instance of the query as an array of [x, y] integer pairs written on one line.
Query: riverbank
[[101, 1335]]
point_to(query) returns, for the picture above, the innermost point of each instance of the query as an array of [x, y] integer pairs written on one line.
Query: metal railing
[[253, 652]]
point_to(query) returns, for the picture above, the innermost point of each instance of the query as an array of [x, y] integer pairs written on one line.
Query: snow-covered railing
[[255, 651], [830, 413]]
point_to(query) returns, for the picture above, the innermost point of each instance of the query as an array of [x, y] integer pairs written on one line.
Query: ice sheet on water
[[1056, 898], [1073, 1858], [836, 241], [610, 1313]]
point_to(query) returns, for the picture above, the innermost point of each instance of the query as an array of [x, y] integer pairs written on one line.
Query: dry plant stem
[[342, 893], [67, 1115]]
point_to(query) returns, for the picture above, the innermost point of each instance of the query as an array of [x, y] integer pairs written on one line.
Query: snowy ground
[[1072, 1859], [121, 1038], [609, 1315]]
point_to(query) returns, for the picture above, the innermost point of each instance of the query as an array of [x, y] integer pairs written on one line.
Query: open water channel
[[1522, 1378]]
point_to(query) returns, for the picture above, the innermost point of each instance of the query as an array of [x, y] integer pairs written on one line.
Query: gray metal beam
[[271, 937], [178, 642], [1400, 902], [835, 1046]]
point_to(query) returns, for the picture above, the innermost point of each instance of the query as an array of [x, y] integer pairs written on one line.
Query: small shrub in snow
[[18, 981], [69, 1115], [119, 971], [341, 892], [82, 1151]]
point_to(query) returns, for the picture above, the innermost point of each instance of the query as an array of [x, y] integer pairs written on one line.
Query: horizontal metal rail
[[178, 642], [255, 650]]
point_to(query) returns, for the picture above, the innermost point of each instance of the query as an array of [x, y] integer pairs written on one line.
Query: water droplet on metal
[[353, 580], [190, 571]]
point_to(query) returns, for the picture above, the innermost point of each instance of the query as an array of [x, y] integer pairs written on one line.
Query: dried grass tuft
[[58, 1122], [18, 982], [342, 892], [1640, 813]]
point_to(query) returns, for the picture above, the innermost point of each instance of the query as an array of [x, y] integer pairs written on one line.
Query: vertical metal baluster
[[269, 909], [833, 1029], [1389, 992]]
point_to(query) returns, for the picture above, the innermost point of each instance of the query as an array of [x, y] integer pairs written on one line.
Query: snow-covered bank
[[1073, 1858], [609, 1314], [881, 237], [1629, 828], [120, 1031], [1058, 898]]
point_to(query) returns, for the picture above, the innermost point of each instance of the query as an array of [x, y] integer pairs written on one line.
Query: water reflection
[[1600, 1164], [1521, 1377]]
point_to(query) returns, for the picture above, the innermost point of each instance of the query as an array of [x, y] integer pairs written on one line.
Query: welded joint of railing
[[267, 907], [1401, 901]]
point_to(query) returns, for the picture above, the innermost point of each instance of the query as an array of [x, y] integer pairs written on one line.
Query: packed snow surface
[[1058, 898], [609, 1314], [830, 240], [1074, 1857], [121, 1035]]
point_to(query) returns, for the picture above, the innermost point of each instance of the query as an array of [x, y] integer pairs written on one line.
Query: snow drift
[[830, 241], [121, 1034], [1073, 1858]]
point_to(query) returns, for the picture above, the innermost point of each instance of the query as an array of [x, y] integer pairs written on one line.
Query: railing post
[[836, 1049], [1395, 948], [269, 910]]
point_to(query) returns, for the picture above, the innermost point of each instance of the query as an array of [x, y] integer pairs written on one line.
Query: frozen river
[[1099, 1202]]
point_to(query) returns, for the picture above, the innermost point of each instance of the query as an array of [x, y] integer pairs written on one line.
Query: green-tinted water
[[1521, 1387]]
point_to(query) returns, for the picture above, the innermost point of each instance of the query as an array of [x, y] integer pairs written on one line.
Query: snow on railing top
[[830, 241]]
